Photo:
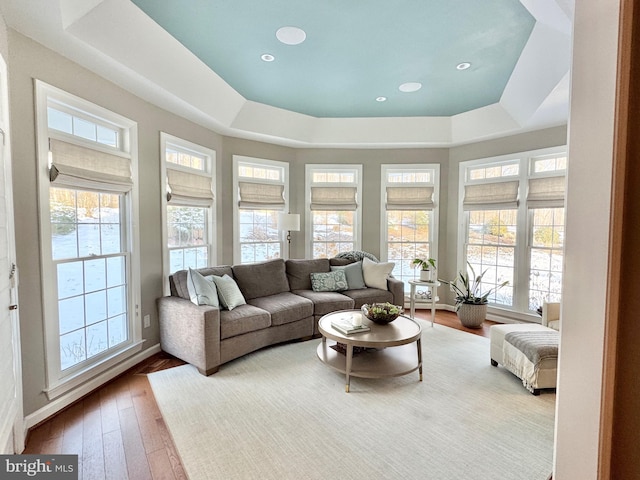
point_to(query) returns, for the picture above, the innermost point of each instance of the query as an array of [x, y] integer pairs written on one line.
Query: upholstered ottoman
[[529, 351]]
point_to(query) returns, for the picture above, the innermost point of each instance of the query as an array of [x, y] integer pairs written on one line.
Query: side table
[[433, 292]]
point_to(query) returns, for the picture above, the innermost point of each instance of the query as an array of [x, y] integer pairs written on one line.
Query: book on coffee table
[[345, 326]]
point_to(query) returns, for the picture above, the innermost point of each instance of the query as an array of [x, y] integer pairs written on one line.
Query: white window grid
[[94, 127], [416, 223], [189, 230], [346, 236], [532, 164], [256, 234]]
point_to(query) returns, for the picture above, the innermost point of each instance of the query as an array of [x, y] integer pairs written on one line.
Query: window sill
[[67, 384]]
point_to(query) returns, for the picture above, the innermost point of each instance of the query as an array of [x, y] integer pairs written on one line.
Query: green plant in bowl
[[382, 313]]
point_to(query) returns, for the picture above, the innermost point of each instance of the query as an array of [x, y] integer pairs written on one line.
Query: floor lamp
[[291, 223]]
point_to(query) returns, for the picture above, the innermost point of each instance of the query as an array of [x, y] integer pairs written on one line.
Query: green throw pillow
[[228, 292], [353, 271], [335, 281], [202, 290]]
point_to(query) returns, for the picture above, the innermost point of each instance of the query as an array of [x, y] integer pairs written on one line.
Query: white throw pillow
[[202, 290], [376, 274], [228, 292]]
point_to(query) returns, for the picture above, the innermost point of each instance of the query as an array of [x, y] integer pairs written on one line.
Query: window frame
[[310, 169], [522, 249], [434, 168], [58, 381], [239, 160], [208, 171]]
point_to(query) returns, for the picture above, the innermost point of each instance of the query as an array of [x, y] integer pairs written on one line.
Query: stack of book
[[346, 326]]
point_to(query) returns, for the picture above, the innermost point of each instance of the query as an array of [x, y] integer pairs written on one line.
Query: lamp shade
[[289, 221]]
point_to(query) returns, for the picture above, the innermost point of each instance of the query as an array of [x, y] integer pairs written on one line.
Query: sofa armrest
[[396, 287], [551, 315], [190, 332]]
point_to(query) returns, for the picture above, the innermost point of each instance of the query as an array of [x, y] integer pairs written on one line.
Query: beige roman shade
[[80, 167], [261, 195], [546, 192], [491, 196], [185, 188], [409, 198], [333, 198]]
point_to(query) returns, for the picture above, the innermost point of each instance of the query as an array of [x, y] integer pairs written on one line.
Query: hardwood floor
[[118, 432]]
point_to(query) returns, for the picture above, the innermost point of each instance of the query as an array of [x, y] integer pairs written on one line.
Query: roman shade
[[409, 198], [261, 195], [333, 198], [491, 196], [81, 167], [546, 192], [185, 188]]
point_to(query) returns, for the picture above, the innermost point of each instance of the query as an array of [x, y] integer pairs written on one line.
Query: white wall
[[587, 229]]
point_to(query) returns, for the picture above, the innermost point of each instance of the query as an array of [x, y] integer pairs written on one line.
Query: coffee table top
[[401, 331]]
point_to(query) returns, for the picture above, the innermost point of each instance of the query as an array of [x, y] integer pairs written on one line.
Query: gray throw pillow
[[228, 292], [329, 281], [353, 271], [202, 290]]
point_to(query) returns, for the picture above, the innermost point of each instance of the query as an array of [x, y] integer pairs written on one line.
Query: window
[[409, 216], [88, 196], [189, 204], [334, 202], [262, 190], [515, 237]]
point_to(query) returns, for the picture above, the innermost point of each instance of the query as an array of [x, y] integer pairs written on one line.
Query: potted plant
[[471, 306], [426, 267]]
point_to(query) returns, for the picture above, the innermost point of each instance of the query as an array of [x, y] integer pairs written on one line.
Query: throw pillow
[[353, 271], [329, 281], [376, 274], [202, 290], [229, 292]]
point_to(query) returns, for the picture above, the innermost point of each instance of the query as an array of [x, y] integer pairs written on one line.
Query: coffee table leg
[[419, 343], [348, 367]]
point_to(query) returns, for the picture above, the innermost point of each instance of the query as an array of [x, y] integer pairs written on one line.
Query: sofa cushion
[[228, 292], [261, 279], [329, 281], [326, 302], [340, 261], [243, 319], [202, 290], [284, 307], [299, 272], [369, 295], [376, 274], [353, 271], [178, 281]]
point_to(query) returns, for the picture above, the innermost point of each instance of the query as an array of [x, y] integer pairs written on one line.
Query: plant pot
[[425, 275], [472, 315]]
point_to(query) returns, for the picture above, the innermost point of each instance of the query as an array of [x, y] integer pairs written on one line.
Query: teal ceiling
[[355, 52]]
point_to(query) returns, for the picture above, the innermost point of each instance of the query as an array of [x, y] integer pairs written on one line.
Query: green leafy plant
[[424, 264], [467, 288]]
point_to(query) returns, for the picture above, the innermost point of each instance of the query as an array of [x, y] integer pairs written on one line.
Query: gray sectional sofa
[[281, 305]]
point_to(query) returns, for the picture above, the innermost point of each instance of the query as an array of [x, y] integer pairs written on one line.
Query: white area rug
[[282, 414]]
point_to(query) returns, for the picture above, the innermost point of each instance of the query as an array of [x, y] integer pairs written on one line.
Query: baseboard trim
[[67, 399]]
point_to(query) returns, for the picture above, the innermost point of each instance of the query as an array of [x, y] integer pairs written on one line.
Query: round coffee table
[[385, 350]]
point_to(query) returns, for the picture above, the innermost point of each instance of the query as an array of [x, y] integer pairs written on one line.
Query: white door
[[11, 413]]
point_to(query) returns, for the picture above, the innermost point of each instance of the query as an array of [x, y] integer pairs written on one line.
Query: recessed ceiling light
[[463, 66], [410, 87], [291, 35], [381, 99], [267, 57]]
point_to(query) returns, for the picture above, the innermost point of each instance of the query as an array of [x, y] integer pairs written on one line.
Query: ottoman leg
[[494, 363]]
